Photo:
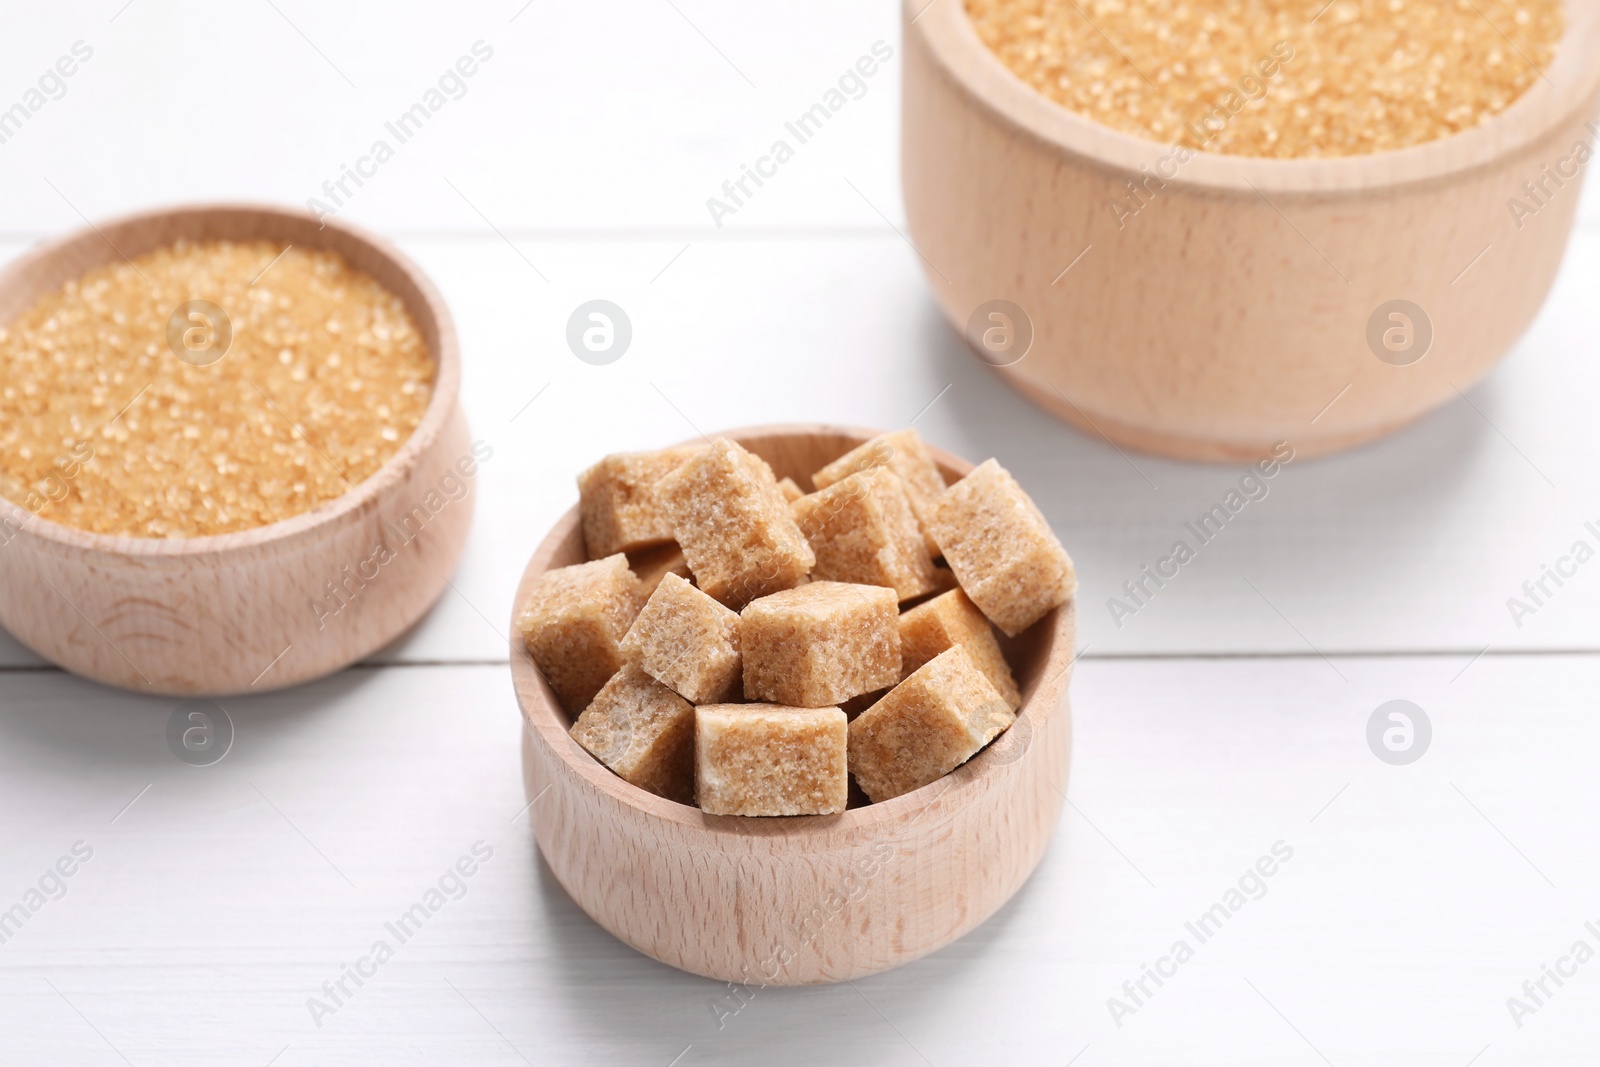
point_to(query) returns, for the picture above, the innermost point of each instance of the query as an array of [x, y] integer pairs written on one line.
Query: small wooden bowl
[[211, 616], [821, 898], [1232, 311]]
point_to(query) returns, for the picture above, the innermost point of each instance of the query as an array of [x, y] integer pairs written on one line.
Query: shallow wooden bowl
[[822, 898], [1232, 310], [234, 613]]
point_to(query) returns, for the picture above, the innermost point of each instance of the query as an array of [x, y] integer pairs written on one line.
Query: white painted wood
[[207, 915], [1393, 936], [588, 116], [663, 122]]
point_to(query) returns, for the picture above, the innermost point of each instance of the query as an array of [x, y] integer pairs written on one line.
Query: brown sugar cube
[[927, 726], [573, 622], [1001, 548], [767, 759], [687, 642], [862, 530], [644, 732], [654, 564], [902, 452], [730, 517], [822, 643], [616, 498], [790, 489], [948, 620]]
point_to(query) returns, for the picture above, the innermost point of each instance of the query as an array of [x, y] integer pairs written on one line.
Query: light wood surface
[[809, 899], [224, 614], [1230, 310]]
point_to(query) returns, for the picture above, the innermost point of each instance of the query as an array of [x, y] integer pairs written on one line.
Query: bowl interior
[[46, 268], [1039, 657]]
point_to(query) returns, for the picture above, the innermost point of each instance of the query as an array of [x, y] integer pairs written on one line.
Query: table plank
[[618, 117], [623, 115], [1412, 544], [1415, 902]]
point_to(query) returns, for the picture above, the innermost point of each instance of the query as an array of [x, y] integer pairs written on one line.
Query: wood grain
[[1184, 772], [794, 901], [231, 613], [1231, 310]]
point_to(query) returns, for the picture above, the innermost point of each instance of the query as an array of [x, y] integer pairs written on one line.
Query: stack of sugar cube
[[740, 644]]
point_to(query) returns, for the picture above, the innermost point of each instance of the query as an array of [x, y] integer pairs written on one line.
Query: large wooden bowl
[[791, 901], [1232, 311], [237, 612]]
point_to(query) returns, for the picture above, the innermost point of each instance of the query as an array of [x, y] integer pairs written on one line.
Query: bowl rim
[[1560, 96], [545, 720], [294, 531]]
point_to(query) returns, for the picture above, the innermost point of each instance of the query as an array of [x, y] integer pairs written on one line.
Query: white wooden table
[[1226, 717]]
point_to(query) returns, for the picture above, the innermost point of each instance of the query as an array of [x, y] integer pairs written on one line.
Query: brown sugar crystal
[[616, 498], [1275, 78], [644, 732], [767, 759], [948, 620], [928, 725], [573, 623], [730, 518], [902, 452], [687, 642], [862, 530], [124, 410], [790, 489], [1001, 548], [820, 644]]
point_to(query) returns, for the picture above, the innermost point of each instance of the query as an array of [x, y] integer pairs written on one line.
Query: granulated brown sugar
[[1274, 78], [105, 428]]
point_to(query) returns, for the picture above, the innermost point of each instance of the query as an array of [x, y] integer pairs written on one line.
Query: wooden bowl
[[820, 898], [235, 613], [1232, 311]]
